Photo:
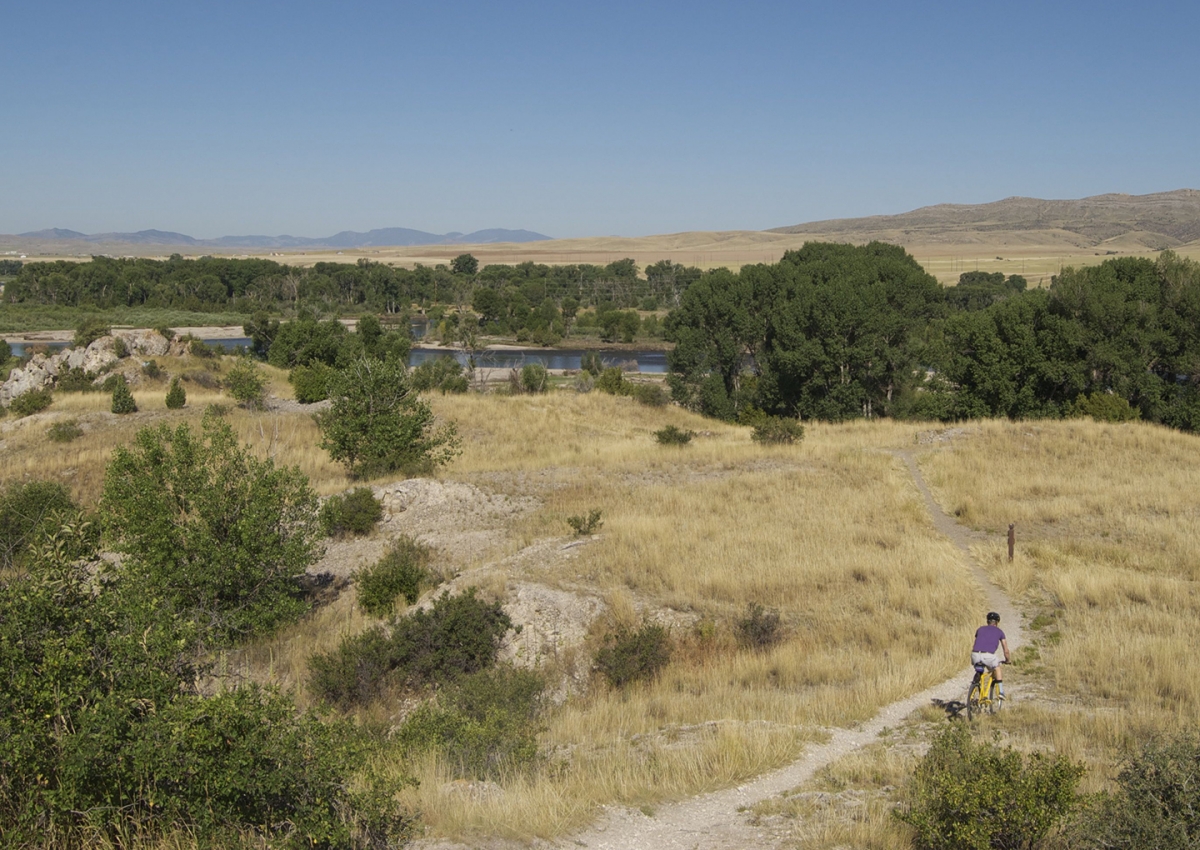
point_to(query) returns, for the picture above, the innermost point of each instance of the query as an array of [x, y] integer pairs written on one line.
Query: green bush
[[759, 628], [378, 424], [165, 332], [1104, 407], [443, 373], [1156, 805], [64, 432], [778, 430], [402, 572], [89, 330], [591, 363], [176, 395], [673, 436], [628, 656], [968, 795], [152, 370], [31, 402], [584, 525], [120, 347], [75, 380], [534, 378], [103, 735], [353, 514], [612, 381], [230, 561], [458, 636], [29, 511], [246, 384], [122, 398], [651, 395], [5, 352], [198, 348], [486, 726], [310, 383]]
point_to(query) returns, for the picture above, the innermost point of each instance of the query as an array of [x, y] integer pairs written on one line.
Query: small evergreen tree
[[176, 395], [122, 398]]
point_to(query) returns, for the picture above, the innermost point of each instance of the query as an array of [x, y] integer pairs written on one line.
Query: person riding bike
[[989, 640]]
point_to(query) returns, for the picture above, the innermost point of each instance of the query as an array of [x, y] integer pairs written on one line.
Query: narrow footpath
[[713, 821]]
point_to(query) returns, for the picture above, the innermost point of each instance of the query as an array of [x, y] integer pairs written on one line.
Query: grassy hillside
[[831, 533]]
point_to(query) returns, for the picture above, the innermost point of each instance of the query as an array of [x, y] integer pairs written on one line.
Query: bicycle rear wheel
[[994, 701], [973, 703]]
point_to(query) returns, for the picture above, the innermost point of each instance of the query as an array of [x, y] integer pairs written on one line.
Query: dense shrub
[[673, 436], [64, 432], [486, 727], [534, 378], [229, 562], [778, 430], [75, 380], [152, 370], [1104, 407], [165, 332], [442, 373], [103, 734], [759, 628], [89, 330], [378, 424], [588, 524], [198, 348], [246, 384], [612, 381], [651, 395], [352, 514], [968, 795], [591, 363], [310, 383], [31, 402], [458, 636], [629, 656], [120, 347], [5, 352], [28, 512], [1157, 802], [122, 398], [176, 395], [402, 572]]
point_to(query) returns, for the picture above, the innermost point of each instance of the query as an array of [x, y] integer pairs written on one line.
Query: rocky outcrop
[[42, 370]]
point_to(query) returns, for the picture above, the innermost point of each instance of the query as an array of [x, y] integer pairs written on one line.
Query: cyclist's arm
[[1004, 646]]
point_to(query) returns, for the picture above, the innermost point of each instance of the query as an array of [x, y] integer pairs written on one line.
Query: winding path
[[713, 821]]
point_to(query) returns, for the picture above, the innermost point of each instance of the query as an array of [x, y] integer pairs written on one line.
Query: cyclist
[[989, 640]]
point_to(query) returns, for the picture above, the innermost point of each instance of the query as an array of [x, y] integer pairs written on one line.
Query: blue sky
[[580, 119]]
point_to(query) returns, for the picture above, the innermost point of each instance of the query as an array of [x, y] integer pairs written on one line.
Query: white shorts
[[990, 659]]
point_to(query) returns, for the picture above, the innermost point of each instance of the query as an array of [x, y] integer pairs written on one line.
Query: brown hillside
[[1161, 220]]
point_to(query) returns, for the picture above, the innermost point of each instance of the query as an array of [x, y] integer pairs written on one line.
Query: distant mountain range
[[384, 237], [1160, 220]]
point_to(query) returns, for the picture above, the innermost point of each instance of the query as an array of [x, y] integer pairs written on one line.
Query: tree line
[[837, 332], [514, 293]]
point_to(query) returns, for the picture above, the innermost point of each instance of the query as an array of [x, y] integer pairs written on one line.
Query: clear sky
[[580, 118]]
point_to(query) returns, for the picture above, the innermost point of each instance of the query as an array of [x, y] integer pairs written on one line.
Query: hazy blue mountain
[[346, 239], [54, 233]]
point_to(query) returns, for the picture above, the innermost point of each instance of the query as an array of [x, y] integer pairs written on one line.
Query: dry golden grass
[[1107, 551]]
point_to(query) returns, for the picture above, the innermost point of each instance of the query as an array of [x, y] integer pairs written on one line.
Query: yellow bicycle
[[984, 693]]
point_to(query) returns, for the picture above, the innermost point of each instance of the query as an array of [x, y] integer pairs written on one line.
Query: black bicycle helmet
[[993, 617]]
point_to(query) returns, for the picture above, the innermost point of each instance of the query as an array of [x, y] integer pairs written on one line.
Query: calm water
[[637, 360]]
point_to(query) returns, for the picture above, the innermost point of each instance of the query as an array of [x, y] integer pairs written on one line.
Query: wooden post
[[1012, 539]]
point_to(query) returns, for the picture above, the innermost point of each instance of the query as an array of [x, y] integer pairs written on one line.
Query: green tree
[[378, 423], [122, 398], [176, 395], [464, 264], [246, 384], [216, 534]]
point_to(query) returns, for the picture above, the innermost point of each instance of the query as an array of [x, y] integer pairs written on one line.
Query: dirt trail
[[712, 821]]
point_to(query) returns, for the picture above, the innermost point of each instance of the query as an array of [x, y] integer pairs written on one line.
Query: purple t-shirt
[[987, 639]]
